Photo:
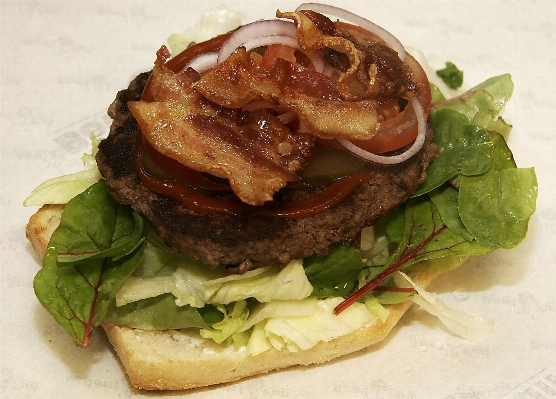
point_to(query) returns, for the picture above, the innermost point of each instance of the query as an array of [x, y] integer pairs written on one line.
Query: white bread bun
[[174, 360]]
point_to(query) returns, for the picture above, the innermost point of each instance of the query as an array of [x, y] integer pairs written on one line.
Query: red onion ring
[[255, 29], [291, 41], [382, 33], [395, 159], [266, 33], [203, 62]]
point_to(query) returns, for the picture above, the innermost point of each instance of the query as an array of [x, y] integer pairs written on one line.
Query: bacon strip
[[254, 151], [371, 68], [241, 79]]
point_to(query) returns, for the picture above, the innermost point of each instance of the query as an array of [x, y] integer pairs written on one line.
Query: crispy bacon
[[371, 68], [255, 151], [313, 96]]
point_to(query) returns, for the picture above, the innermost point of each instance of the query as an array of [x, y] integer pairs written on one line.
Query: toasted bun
[[173, 360]]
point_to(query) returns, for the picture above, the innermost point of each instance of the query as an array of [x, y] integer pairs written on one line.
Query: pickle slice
[[329, 164]]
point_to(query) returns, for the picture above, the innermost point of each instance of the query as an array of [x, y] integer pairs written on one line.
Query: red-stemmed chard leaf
[[425, 236], [78, 294]]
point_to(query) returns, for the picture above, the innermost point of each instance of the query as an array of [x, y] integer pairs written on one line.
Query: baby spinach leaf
[[128, 235], [78, 294], [395, 225], [158, 259], [496, 206], [464, 148], [436, 93], [461, 125], [158, 313], [446, 201], [334, 274], [425, 237], [481, 103]]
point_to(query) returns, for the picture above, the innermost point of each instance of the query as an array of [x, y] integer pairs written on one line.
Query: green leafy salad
[[106, 265]]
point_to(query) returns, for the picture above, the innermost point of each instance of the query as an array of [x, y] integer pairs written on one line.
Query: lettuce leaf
[[195, 285], [459, 323], [316, 322], [60, 190], [234, 318], [214, 22]]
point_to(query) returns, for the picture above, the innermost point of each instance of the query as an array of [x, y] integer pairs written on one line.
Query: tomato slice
[[177, 63], [275, 51], [400, 130]]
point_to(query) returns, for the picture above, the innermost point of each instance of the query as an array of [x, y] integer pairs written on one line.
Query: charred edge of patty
[[245, 242]]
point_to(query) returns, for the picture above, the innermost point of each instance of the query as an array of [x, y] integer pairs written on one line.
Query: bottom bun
[[182, 359], [175, 360]]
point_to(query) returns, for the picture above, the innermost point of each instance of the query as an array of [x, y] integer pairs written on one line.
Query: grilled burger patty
[[248, 241]]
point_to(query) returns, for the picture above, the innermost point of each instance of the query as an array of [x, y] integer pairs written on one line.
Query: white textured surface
[[61, 65]]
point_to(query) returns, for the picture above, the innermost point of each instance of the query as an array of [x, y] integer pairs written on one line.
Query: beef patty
[[247, 241]]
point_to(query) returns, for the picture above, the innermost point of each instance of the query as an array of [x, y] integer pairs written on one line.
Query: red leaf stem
[[383, 275]]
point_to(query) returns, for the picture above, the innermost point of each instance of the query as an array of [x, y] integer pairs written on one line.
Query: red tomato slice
[[275, 51], [400, 130], [177, 63]]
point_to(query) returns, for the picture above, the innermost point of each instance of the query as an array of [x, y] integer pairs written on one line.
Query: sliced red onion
[[266, 33], [203, 62], [291, 41], [382, 33], [394, 159], [255, 29], [269, 40]]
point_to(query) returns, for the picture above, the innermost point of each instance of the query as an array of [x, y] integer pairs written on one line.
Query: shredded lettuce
[[459, 323], [196, 286], [300, 325], [60, 190], [234, 318]]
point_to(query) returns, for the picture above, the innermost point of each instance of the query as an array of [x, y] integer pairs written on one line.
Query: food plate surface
[[62, 63]]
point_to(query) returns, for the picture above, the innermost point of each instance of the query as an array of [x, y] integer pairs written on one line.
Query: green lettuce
[[234, 317], [60, 190], [195, 285], [214, 22]]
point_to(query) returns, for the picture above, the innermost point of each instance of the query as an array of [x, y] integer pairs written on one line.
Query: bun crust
[[175, 360]]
